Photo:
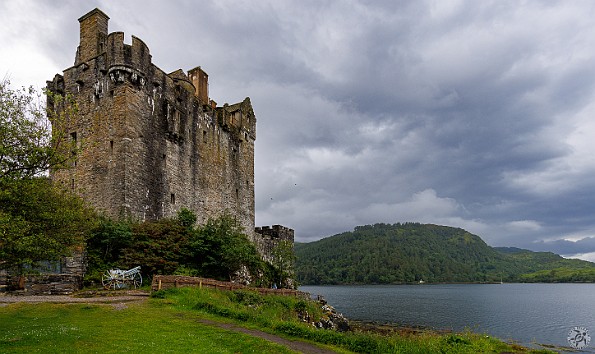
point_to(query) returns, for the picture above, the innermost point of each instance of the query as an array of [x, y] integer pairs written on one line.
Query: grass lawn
[[169, 323], [139, 328], [278, 315]]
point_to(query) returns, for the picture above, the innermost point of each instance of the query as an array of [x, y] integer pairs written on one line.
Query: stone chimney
[[93, 35]]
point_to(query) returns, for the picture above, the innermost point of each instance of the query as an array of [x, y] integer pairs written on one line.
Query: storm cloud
[[463, 113]]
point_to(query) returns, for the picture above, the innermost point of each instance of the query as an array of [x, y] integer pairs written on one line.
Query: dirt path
[[119, 302], [66, 299], [299, 346]]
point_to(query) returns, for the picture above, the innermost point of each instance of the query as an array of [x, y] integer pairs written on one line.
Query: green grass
[[169, 323], [279, 315], [140, 328]]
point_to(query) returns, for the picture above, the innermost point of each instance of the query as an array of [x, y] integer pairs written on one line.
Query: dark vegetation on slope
[[411, 252]]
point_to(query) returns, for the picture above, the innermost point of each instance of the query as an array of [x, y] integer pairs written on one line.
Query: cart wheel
[[137, 280], [108, 280]]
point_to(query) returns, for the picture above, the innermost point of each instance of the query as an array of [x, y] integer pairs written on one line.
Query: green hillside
[[410, 252]]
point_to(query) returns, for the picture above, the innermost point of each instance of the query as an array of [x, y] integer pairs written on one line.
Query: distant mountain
[[413, 252]]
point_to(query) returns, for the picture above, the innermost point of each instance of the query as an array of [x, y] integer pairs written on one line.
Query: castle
[[152, 142]]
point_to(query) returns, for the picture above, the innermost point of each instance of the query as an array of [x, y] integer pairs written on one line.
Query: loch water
[[524, 313]]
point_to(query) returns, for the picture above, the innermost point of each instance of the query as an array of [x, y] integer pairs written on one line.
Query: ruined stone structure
[[56, 278], [270, 237], [152, 142]]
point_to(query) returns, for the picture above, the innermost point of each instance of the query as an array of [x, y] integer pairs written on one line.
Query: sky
[[471, 114]]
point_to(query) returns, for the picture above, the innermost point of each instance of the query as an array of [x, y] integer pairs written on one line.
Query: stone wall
[[63, 277], [3, 280], [153, 143], [267, 238], [44, 284]]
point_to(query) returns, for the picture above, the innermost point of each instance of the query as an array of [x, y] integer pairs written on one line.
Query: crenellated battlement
[[267, 238], [276, 232], [118, 53]]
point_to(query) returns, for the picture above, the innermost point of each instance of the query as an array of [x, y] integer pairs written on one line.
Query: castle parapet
[[276, 232], [135, 56], [115, 51], [268, 238]]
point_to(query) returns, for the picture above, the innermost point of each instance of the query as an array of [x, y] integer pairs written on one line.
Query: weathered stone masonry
[[153, 142]]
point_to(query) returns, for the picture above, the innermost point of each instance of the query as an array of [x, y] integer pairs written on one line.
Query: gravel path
[[64, 299], [105, 297]]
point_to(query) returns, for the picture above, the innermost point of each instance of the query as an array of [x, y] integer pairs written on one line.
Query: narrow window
[[204, 136], [173, 198], [237, 193], [73, 142], [176, 121], [111, 146], [72, 184]]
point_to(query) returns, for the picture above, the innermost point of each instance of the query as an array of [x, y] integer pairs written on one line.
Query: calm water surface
[[526, 313]]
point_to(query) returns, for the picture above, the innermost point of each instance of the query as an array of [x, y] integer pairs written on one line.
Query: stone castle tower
[[154, 142]]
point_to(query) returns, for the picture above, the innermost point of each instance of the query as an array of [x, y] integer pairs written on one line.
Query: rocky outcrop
[[331, 319]]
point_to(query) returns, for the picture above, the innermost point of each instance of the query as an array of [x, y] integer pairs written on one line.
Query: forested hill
[[410, 252]]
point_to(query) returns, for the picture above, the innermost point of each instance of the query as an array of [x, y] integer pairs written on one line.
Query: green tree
[[104, 246], [29, 146], [38, 223], [283, 261], [186, 218], [159, 247], [220, 249]]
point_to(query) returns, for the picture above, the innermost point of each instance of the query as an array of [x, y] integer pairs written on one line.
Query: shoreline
[[387, 329], [450, 283], [408, 326]]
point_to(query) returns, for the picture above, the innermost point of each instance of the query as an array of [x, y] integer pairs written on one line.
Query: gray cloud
[[470, 114]]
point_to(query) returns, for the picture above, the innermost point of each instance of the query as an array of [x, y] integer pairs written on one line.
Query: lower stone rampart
[[45, 284], [269, 237], [65, 278]]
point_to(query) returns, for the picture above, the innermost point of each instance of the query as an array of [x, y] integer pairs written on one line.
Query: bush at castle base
[[218, 249]]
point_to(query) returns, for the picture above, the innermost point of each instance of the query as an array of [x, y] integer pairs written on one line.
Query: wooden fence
[[161, 282]]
